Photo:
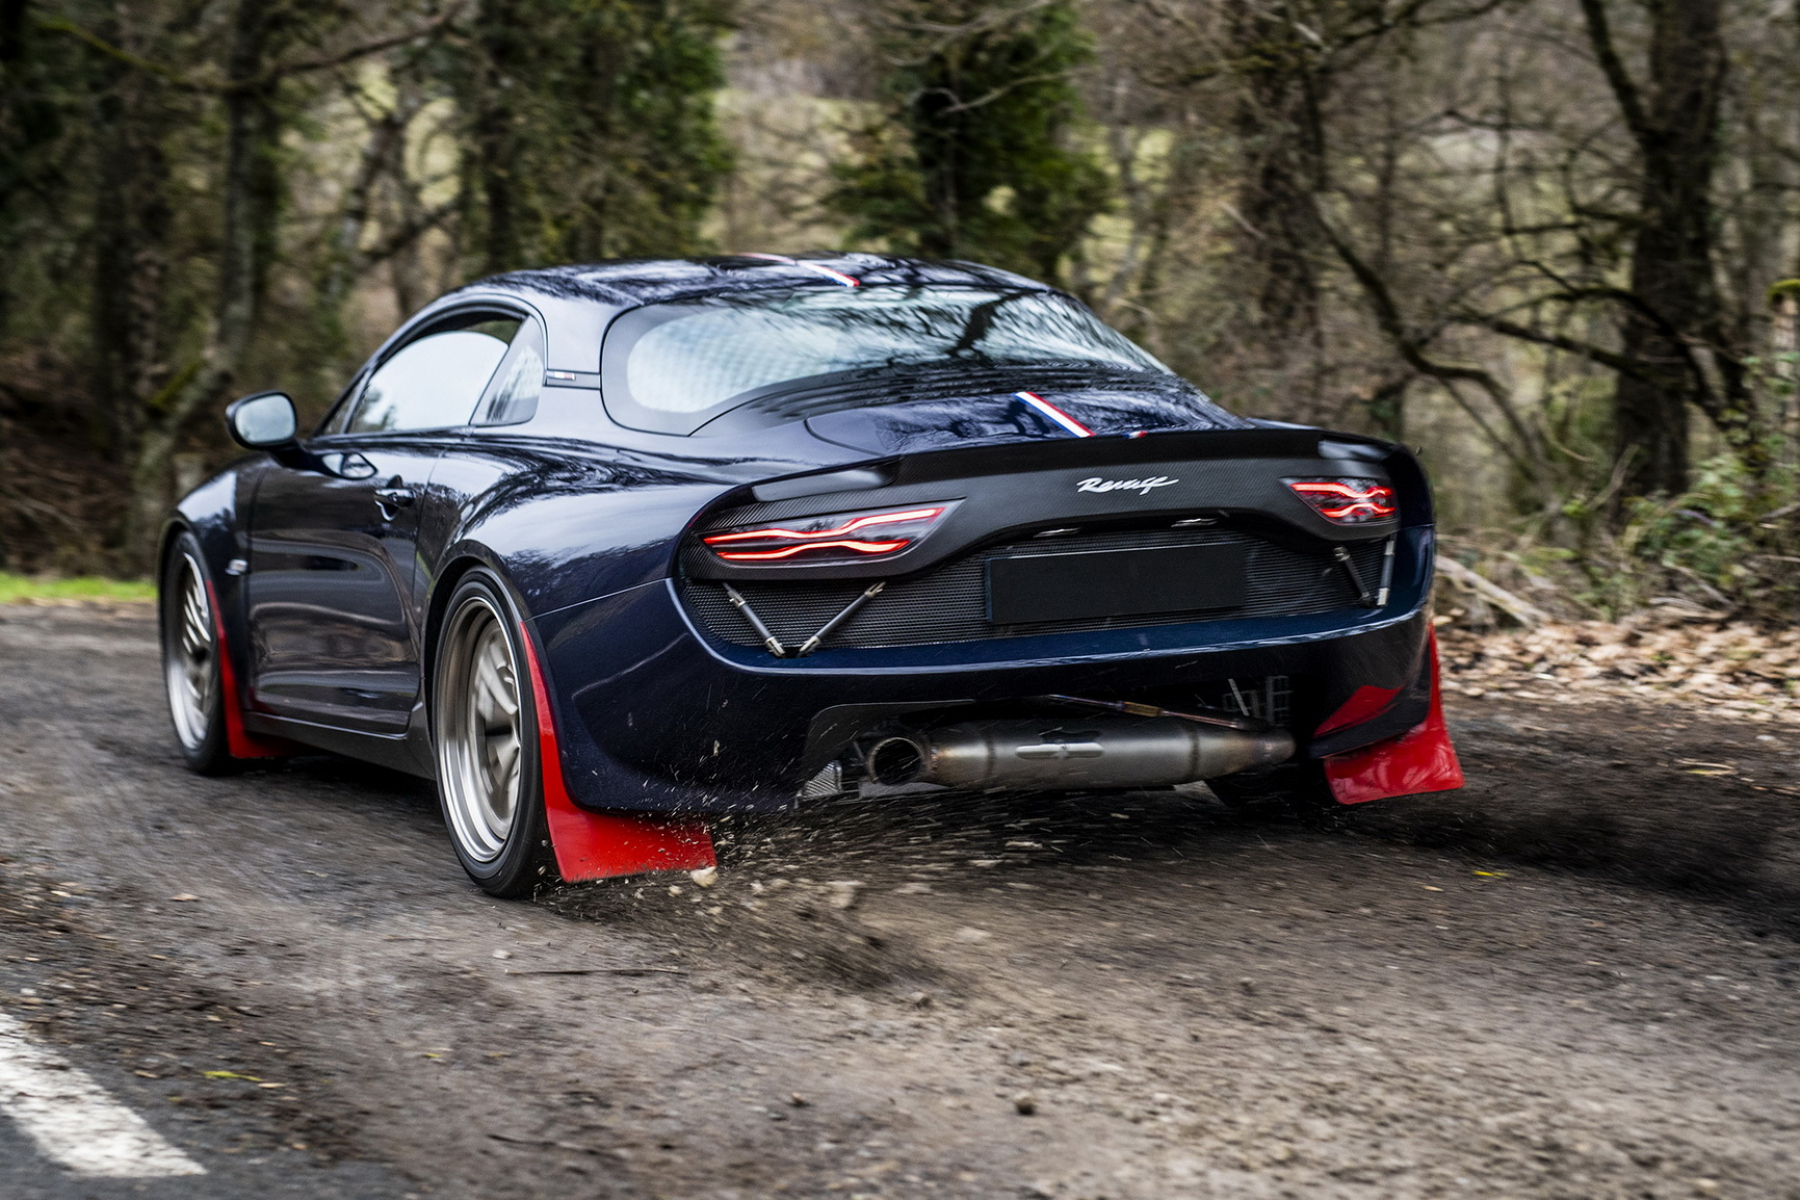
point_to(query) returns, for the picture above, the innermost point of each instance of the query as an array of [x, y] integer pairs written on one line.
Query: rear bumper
[[654, 715]]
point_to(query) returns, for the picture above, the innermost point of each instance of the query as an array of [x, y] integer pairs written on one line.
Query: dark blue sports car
[[604, 549]]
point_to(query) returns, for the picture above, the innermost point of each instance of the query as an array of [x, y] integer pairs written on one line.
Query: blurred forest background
[[1551, 243]]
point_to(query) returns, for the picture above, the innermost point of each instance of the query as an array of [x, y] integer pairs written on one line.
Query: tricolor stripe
[[1055, 414]]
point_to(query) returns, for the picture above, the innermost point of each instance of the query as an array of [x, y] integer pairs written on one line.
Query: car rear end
[[1117, 611]]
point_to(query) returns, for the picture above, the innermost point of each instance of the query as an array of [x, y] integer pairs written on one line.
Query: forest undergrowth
[[1551, 245]]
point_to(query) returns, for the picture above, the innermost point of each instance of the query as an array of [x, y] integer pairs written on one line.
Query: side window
[[513, 395], [434, 382]]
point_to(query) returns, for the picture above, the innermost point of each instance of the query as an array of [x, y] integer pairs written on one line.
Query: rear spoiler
[[999, 489]]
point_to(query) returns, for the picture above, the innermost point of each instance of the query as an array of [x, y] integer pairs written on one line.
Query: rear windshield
[[671, 368]]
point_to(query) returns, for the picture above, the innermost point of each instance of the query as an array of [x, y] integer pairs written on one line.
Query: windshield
[[673, 367]]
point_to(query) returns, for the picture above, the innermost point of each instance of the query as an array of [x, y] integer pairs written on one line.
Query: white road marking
[[73, 1120]]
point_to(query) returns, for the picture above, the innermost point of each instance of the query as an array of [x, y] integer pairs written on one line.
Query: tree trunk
[[1673, 312], [252, 194], [496, 143], [1784, 344], [131, 230], [1277, 123], [29, 125], [1280, 132], [12, 29], [935, 118], [344, 260]]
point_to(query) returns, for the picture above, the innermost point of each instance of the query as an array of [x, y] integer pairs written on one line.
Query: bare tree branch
[[1411, 350], [1617, 77], [190, 83]]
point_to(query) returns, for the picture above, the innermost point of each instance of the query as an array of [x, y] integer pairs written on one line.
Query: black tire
[[1297, 788], [192, 679], [490, 780]]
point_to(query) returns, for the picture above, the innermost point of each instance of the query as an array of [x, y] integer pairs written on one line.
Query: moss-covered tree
[[978, 154], [590, 129]]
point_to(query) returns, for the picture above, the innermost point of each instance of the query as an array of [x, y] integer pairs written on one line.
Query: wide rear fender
[[561, 550]]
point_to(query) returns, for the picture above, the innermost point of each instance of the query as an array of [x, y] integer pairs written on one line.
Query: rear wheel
[[190, 656], [485, 730]]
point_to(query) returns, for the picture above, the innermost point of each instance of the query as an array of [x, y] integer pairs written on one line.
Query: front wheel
[[490, 782], [191, 649]]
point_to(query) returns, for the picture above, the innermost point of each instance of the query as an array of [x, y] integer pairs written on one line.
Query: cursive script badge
[[1142, 487]]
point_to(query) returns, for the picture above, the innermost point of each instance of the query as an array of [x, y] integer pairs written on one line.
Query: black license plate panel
[[1026, 588]]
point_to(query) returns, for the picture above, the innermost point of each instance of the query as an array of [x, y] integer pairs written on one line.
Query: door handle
[[390, 500]]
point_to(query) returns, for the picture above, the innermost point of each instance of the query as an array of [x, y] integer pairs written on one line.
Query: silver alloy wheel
[[190, 667], [479, 729]]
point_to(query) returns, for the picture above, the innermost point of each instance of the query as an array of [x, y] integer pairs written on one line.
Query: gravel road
[[1575, 978]]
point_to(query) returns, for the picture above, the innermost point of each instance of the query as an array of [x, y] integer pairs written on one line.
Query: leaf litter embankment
[[1736, 670]]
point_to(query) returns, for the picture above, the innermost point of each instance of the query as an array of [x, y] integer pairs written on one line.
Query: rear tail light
[[840, 537], [1346, 501]]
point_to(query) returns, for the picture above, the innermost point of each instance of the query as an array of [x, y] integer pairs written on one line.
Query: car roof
[[631, 282]]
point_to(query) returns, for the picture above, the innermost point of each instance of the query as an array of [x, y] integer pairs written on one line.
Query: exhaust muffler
[[1105, 752]]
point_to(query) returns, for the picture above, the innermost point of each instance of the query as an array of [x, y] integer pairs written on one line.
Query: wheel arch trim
[[239, 741], [1420, 760], [600, 845], [586, 845]]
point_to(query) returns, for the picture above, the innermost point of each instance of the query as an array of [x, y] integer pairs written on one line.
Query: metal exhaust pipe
[[897, 760], [1104, 752]]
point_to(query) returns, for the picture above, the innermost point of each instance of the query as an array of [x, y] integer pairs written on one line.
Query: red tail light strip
[[789, 552], [1361, 500], [850, 526], [789, 542]]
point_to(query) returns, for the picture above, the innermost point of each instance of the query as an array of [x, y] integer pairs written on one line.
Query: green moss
[[17, 588]]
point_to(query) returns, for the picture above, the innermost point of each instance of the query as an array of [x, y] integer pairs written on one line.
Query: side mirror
[[265, 421]]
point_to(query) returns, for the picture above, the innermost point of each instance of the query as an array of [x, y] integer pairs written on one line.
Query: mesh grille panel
[[950, 603]]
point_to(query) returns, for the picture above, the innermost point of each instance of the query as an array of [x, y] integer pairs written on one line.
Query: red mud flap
[[601, 845], [1419, 760], [239, 742]]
